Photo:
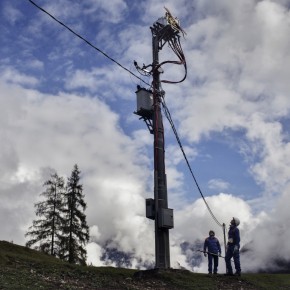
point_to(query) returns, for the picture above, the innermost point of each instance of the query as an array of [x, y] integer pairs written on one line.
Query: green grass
[[269, 281], [23, 268]]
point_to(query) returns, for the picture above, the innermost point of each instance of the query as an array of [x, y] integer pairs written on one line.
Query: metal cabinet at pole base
[[165, 218], [165, 215]]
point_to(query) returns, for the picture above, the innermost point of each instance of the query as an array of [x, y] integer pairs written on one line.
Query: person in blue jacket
[[213, 249], [233, 248]]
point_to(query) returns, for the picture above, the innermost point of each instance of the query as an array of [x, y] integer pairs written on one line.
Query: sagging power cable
[[86, 41], [168, 116]]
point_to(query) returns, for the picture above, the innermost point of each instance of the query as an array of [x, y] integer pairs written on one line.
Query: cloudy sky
[[63, 102]]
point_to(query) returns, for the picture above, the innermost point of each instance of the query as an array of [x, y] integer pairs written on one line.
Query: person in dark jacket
[[213, 249], [233, 248]]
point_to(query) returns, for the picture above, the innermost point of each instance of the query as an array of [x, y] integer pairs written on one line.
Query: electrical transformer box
[[150, 208], [166, 218], [144, 100]]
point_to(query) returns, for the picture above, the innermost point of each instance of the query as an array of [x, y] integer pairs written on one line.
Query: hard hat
[[236, 220], [211, 233]]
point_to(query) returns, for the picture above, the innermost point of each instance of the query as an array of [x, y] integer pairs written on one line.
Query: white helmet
[[236, 220]]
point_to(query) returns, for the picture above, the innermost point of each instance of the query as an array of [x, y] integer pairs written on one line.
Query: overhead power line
[[86, 41], [168, 116]]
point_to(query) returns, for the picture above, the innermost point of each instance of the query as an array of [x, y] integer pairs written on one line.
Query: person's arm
[[219, 247], [237, 237], [237, 240]]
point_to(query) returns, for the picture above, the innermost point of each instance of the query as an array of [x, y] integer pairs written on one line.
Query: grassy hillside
[[23, 268]]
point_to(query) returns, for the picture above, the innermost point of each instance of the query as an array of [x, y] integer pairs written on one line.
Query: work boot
[[238, 273]]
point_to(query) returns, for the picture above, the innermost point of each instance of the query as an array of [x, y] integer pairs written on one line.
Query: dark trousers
[[215, 259], [229, 255]]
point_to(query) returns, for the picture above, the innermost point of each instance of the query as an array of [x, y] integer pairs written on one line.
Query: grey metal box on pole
[[144, 100], [165, 218], [150, 208]]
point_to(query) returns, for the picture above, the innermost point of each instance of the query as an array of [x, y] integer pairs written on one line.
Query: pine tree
[[46, 231], [76, 230]]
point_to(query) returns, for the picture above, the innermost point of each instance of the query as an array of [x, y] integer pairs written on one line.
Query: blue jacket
[[234, 236], [212, 244]]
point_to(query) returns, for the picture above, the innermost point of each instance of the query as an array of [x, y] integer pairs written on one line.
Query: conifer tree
[[76, 230], [45, 232]]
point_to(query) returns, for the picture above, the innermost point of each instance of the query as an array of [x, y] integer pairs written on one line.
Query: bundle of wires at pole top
[[167, 29], [175, 45]]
